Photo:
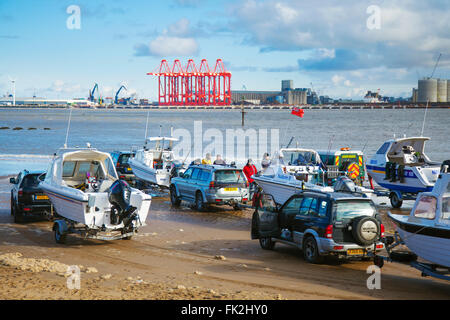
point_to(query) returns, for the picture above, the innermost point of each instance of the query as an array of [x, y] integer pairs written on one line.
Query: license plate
[[231, 189], [128, 169], [355, 252], [41, 197]]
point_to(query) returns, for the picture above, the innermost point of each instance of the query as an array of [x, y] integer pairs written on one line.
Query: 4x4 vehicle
[[120, 160], [27, 199], [210, 184], [320, 224]]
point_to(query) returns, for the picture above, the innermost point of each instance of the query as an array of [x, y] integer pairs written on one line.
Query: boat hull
[[412, 184], [145, 173], [429, 243], [281, 192], [75, 207]]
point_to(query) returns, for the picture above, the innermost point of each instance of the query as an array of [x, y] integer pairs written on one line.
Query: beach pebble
[[91, 270], [181, 287], [219, 257], [106, 276], [198, 273]]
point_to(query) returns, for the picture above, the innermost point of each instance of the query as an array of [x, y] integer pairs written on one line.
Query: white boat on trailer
[[426, 230], [155, 164], [281, 186], [402, 167], [84, 188]]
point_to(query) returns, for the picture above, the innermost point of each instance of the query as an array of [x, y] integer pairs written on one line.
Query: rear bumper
[[328, 246], [227, 200], [35, 209]]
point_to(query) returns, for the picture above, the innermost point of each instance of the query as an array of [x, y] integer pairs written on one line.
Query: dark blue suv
[[320, 224]]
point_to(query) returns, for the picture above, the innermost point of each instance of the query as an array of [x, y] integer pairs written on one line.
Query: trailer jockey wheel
[[378, 261]]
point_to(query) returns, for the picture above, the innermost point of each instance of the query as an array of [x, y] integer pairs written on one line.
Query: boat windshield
[[349, 209], [299, 158]]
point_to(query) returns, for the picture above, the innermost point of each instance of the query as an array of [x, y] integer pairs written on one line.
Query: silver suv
[[210, 184]]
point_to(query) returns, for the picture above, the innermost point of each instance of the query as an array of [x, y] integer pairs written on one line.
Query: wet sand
[[184, 254]]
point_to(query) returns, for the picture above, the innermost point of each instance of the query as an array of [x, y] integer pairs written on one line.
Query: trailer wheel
[[396, 202], [403, 256], [59, 237]]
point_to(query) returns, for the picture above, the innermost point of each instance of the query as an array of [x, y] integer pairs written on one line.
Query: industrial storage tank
[[448, 90], [442, 90], [427, 90]]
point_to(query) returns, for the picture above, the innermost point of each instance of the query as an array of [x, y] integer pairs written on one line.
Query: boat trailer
[[63, 227], [407, 257]]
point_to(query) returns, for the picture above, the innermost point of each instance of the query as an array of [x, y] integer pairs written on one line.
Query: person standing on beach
[[249, 170], [265, 162], [207, 159], [219, 160]]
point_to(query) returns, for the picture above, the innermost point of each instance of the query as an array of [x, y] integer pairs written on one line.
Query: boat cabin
[[82, 168]]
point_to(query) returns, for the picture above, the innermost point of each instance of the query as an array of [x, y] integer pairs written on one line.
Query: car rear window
[[123, 159], [349, 209], [31, 180], [229, 176]]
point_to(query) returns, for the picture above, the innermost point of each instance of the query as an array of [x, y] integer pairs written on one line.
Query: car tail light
[[26, 209], [379, 246], [122, 177], [218, 200], [329, 232], [338, 247], [382, 230], [244, 199], [20, 193], [211, 185]]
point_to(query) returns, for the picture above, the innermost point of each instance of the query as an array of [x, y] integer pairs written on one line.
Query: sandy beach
[[184, 254]]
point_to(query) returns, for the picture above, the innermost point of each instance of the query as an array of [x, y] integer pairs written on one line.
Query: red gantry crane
[[192, 85]]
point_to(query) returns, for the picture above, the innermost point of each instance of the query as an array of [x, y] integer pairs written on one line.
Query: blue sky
[[261, 42]]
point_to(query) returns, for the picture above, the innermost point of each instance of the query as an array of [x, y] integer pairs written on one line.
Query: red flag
[[296, 111]]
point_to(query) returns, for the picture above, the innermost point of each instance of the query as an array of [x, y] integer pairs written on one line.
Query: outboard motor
[[119, 196], [344, 184]]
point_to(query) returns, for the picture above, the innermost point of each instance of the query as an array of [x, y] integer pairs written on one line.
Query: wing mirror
[[12, 180]]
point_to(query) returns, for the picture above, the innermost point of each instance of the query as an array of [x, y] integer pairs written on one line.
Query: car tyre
[[18, 217], [173, 197], [199, 204], [266, 243], [311, 250], [12, 206]]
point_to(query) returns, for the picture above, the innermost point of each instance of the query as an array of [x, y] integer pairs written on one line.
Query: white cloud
[[173, 46], [408, 36], [173, 41]]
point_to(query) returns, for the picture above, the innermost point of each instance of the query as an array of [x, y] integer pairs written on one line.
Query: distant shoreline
[[237, 107]]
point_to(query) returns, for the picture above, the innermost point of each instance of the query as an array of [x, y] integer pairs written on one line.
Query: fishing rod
[[68, 128]]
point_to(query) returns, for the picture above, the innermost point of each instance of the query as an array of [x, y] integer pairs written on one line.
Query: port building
[[287, 95]]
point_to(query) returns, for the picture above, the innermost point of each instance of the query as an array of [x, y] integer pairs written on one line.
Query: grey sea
[[41, 132]]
